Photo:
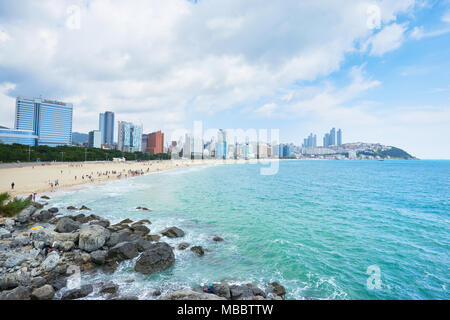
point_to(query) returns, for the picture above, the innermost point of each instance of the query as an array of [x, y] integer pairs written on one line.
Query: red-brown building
[[155, 143]]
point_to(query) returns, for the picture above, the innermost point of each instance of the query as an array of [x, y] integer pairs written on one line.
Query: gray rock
[[143, 245], [15, 260], [20, 241], [245, 291], [101, 222], [277, 289], [45, 197], [45, 292], [67, 225], [71, 208], [92, 237], [109, 288], [191, 295], [121, 236], [43, 215], [38, 282], [140, 230], [85, 208], [157, 258], [152, 237], [218, 239], [173, 232], [59, 283], [4, 232], [198, 250], [19, 293], [53, 210], [25, 215], [81, 292], [98, 256], [50, 262], [183, 246], [122, 251]]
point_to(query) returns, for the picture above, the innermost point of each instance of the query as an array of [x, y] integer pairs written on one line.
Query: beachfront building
[[339, 137], [11, 136], [187, 147], [154, 143], [106, 127], [129, 137], [221, 144], [310, 141], [95, 139], [50, 121]]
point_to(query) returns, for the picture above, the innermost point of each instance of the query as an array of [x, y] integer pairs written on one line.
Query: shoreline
[[29, 178], [37, 177]]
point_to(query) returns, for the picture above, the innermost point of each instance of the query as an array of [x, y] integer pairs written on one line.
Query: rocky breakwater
[[41, 252]]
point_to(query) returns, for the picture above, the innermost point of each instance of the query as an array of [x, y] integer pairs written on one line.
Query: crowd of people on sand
[[99, 174]]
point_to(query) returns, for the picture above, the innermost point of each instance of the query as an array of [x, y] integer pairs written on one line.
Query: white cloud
[[388, 39], [419, 33], [156, 61], [446, 17]]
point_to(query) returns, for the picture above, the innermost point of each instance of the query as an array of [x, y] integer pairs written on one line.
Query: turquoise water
[[315, 227]]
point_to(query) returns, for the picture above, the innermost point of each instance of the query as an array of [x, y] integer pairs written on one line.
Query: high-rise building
[[129, 137], [333, 137], [187, 147], [94, 140], [106, 127], [339, 137], [326, 140], [311, 141], [221, 144], [155, 143], [50, 121]]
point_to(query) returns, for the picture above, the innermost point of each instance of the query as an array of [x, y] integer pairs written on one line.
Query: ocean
[[322, 229]]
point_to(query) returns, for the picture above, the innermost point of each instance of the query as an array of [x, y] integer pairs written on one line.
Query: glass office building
[[106, 127], [11, 136], [129, 137], [50, 121]]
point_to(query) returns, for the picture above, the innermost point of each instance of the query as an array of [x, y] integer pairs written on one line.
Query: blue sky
[[380, 70]]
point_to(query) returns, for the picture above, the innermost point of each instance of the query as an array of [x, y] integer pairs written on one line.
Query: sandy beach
[[38, 177]]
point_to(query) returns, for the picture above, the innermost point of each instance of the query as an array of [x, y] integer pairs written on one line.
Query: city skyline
[[380, 70]]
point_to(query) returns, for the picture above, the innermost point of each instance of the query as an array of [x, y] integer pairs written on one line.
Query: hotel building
[[49, 121]]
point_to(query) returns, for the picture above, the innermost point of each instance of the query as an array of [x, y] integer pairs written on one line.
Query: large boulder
[[99, 256], [92, 237], [173, 232], [19, 293], [122, 251], [45, 292], [53, 210], [140, 230], [50, 262], [25, 215], [81, 292], [43, 215], [121, 236], [246, 291], [66, 225], [157, 258], [191, 295]]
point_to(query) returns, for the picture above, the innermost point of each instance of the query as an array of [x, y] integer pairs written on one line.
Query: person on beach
[[12, 185]]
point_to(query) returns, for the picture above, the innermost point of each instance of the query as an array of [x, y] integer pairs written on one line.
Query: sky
[[379, 70]]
